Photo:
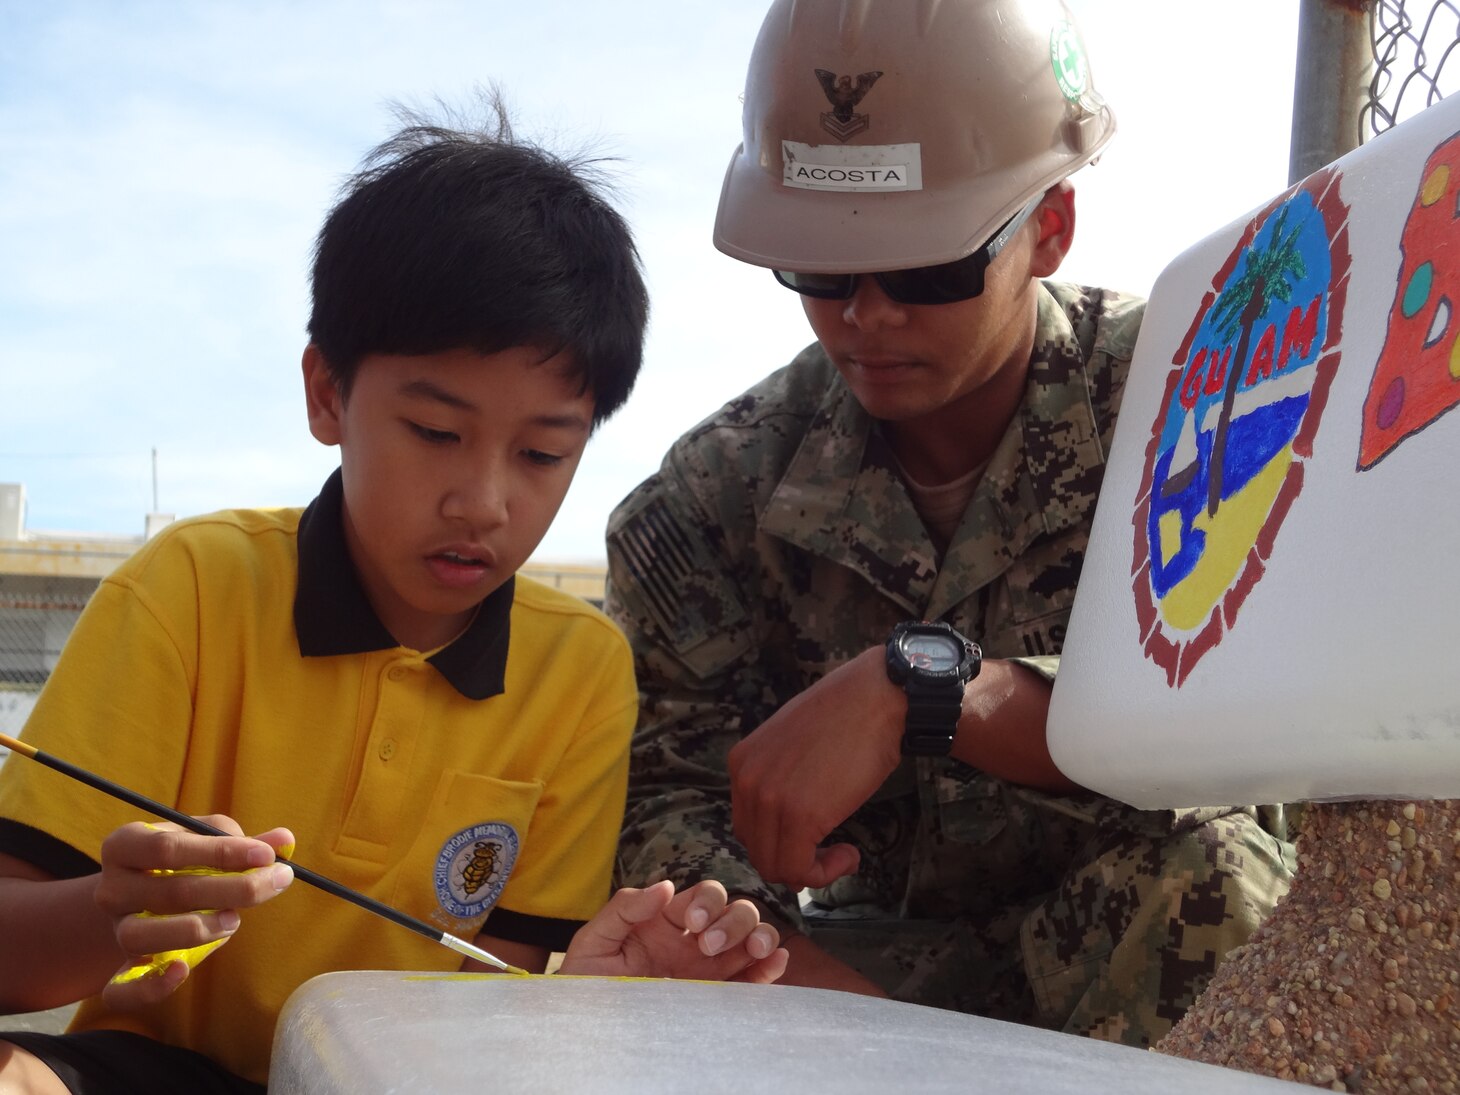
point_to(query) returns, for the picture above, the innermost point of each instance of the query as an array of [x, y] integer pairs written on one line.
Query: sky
[[164, 168]]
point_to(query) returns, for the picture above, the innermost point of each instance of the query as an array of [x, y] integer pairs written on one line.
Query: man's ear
[[1055, 222], [322, 397]]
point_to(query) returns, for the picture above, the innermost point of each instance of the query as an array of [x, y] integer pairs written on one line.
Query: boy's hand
[[174, 897], [693, 934]]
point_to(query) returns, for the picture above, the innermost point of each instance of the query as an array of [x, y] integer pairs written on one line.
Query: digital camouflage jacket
[[777, 541]]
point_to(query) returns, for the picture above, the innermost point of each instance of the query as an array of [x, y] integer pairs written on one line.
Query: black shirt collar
[[332, 615]]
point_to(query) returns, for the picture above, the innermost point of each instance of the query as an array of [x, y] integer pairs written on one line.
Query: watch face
[[932, 653]]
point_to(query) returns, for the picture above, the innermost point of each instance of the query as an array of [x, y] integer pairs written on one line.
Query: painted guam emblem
[[473, 866], [844, 95], [1237, 422]]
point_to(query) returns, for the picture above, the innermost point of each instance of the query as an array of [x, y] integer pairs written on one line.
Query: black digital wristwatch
[[933, 664]]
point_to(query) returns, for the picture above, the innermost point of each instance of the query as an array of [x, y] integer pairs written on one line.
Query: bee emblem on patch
[[473, 866], [482, 865]]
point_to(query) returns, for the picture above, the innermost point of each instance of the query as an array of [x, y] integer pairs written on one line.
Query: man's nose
[[869, 308]]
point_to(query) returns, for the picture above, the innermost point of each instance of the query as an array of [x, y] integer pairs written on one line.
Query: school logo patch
[[473, 866], [1237, 423]]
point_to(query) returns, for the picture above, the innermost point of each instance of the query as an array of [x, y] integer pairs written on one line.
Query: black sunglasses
[[946, 283]]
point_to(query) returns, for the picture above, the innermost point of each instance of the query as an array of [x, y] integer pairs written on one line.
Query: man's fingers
[[782, 846], [804, 864], [830, 863], [772, 841]]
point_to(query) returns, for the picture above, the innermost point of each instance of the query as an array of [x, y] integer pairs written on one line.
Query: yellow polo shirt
[[234, 666]]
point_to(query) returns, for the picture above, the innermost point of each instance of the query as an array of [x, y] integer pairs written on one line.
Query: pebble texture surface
[[1353, 983]]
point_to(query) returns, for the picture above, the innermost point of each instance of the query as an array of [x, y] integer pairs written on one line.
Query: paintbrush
[[304, 874]]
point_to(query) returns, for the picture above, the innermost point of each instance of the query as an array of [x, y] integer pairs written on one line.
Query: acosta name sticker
[[870, 167], [473, 866]]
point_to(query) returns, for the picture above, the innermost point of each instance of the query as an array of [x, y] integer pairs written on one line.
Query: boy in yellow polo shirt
[[437, 733]]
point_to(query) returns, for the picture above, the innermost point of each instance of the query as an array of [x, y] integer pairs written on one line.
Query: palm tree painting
[[1240, 414], [1269, 275], [1238, 400]]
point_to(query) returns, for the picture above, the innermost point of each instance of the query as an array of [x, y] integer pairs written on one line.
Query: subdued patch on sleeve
[[677, 579]]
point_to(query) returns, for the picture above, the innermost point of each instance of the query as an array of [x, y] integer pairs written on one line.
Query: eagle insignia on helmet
[[841, 121]]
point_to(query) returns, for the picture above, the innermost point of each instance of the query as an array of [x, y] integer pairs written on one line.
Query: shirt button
[[397, 674], [387, 749]]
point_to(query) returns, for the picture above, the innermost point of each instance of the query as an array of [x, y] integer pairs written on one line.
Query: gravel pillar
[[1353, 983]]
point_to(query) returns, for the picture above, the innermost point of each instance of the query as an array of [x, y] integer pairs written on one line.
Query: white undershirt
[[942, 507]]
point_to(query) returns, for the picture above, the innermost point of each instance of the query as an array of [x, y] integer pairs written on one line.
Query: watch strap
[[932, 717]]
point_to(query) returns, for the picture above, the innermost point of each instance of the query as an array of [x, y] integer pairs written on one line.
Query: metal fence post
[[1331, 85]]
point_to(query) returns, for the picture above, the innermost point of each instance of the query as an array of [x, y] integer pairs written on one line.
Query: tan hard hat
[[888, 134]]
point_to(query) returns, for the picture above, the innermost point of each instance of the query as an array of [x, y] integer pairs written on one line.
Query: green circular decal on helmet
[[1067, 57]]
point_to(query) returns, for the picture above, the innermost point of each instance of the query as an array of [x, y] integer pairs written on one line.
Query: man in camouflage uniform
[[935, 456]]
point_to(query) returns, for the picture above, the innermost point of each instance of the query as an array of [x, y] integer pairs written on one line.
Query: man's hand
[[174, 896], [810, 765], [693, 934]]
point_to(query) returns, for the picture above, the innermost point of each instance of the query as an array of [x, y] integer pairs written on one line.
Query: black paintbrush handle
[[304, 874]]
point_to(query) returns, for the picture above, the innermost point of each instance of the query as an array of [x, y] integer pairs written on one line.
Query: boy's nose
[[480, 501]]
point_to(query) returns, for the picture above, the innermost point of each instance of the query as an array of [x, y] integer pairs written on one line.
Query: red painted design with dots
[[1417, 377]]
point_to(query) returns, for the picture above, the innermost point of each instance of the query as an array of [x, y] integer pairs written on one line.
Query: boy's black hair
[[455, 238]]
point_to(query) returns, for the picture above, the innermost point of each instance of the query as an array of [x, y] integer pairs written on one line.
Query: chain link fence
[[1412, 44], [36, 615]]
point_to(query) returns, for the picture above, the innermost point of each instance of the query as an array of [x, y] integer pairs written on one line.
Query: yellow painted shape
[[1170, 528], [193, 956], [1455, 360], [1230, 536], [551, 977], [1435, 185], [459, 976], [157, 963]]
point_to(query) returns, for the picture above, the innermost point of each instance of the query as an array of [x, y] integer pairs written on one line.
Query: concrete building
[[47, 577]]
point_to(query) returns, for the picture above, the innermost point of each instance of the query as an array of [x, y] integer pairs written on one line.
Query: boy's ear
[[1055, 219], [321, 397]]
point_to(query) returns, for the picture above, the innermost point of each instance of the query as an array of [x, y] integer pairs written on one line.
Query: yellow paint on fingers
[[192, 956], [158, 963]]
